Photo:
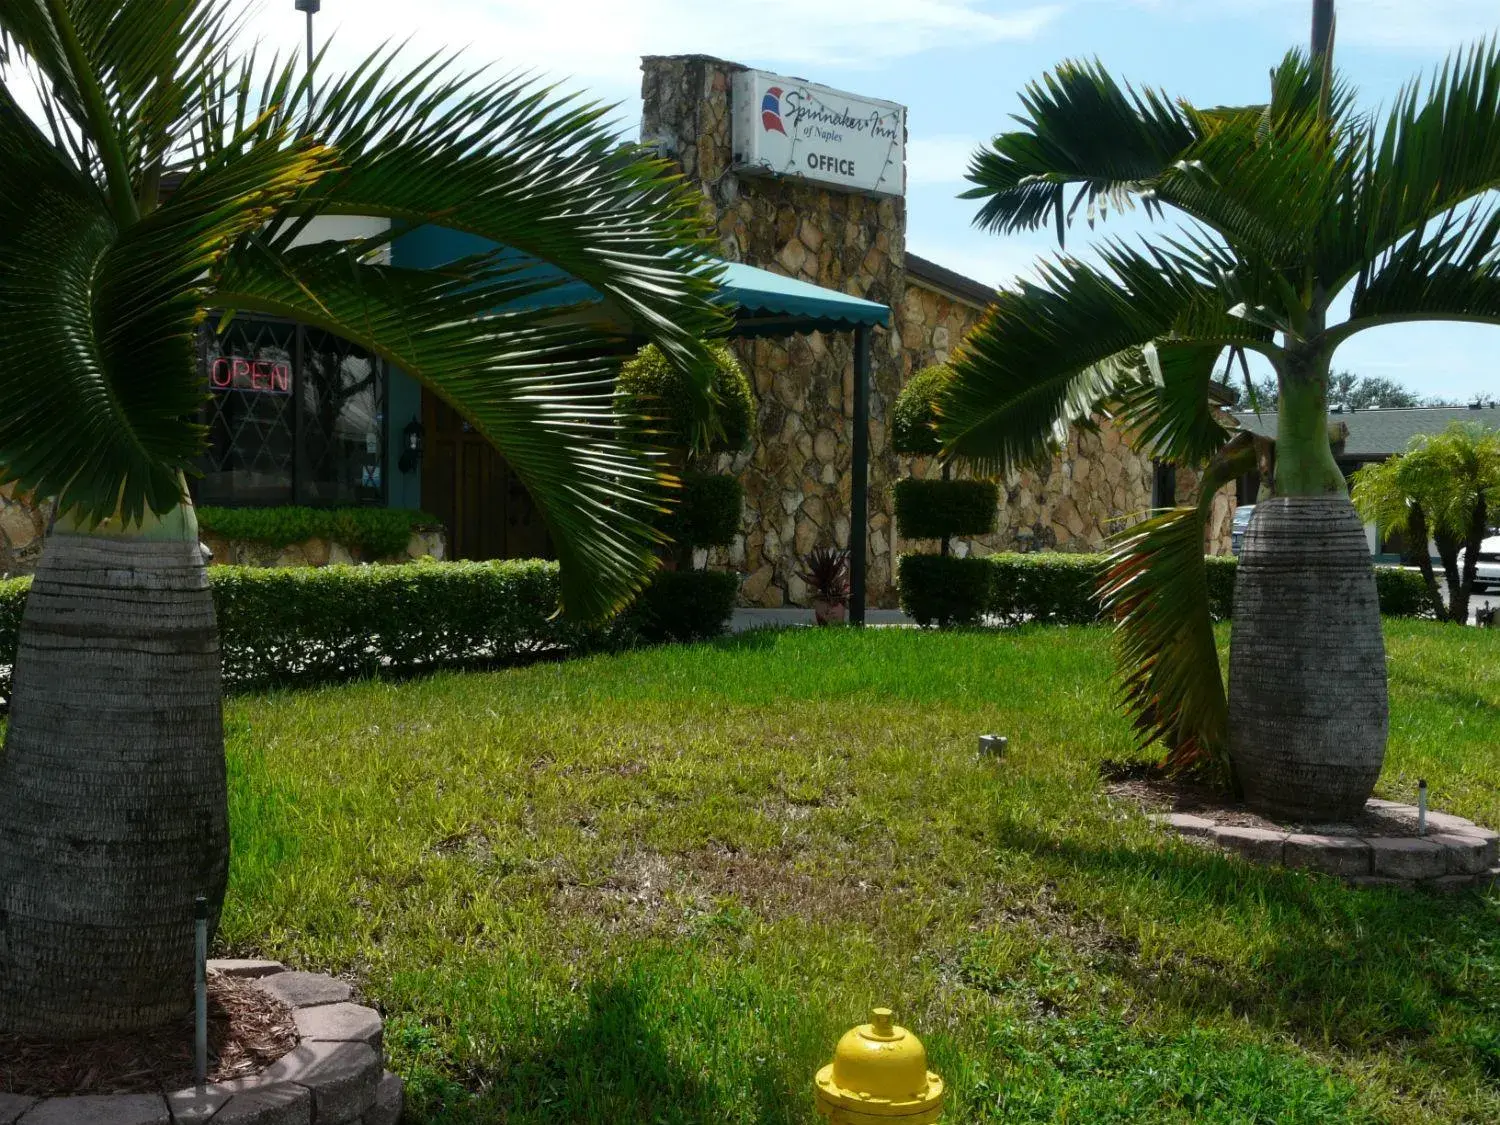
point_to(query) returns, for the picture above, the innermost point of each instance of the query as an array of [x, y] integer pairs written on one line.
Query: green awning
[[767, 304]]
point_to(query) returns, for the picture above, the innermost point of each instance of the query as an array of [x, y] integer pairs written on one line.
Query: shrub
[[944, 590], [1058, 588], [374, 532], [913, 418], [280, 626], [653, 389], [707, 512], [939, 509], [1054, 588], [682, 606]]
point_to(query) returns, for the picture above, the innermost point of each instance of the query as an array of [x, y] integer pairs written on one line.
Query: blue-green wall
[[403, 403]]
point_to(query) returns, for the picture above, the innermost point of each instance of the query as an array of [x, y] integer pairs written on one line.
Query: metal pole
[[200, 1040], [859, 498], [311, 7]]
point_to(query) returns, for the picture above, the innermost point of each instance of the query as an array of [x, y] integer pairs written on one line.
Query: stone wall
[[23, 525], [425, 543], [797, 475]]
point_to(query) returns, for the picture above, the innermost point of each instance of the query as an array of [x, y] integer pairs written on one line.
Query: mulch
[[248, 1030], [1156, 793]]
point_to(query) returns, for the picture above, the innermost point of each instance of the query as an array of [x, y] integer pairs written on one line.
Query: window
[[296, 415]]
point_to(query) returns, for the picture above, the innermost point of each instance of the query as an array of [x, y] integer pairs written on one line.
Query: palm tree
[[170, 175], [1443, 489], [1288, 206]]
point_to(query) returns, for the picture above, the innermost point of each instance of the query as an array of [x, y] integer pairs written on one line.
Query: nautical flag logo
[[770, 111]]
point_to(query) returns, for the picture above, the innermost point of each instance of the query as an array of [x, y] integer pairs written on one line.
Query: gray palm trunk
[[113, 806], [1308, 715]]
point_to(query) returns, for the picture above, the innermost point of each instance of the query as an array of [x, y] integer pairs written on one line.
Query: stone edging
[[1456, 854], [335, 1076]]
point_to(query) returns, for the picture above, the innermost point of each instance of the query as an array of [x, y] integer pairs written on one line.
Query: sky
[[959, 66]]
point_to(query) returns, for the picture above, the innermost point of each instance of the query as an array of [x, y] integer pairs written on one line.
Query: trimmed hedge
[[937, 509], [653, 388], [944, 590], [707, 512], [1058, 588], [310, 624], [682, 606], [375, 532]]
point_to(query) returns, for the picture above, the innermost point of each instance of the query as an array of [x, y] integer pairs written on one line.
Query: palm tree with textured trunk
[[1286, 207], [112, 780]]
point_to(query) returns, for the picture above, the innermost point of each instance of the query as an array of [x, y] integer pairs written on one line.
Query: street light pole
[[311, 7]]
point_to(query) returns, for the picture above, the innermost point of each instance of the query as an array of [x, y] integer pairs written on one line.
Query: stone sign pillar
[[797, 475]]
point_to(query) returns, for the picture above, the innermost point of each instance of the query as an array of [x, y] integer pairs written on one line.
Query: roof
[[949, 281], [768, 304], [1377, 434]]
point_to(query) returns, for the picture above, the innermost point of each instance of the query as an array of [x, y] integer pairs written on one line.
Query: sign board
[[788, 127], [236, 373]]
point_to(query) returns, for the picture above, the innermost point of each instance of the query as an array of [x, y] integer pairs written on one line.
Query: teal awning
[[767, 304], [764, 303]]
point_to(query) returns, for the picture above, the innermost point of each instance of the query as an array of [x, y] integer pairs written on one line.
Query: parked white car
[[1242, 516], [1487, 569]]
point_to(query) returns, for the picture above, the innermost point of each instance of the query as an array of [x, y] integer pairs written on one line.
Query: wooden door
[[467, 485]]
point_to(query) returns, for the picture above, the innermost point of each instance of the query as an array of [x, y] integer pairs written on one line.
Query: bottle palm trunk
[[1307, 691], [113, 808], [1308, 713]]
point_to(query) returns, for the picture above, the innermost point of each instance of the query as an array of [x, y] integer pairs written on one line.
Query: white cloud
[[599, 42], [941, 159]]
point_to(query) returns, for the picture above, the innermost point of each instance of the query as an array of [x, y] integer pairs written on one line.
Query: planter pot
[[828, 612], [1308, 715]]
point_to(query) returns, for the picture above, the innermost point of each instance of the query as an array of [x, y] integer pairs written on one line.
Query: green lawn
[[658, 887]]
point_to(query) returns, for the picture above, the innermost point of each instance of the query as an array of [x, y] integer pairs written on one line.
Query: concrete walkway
[[746, 619]]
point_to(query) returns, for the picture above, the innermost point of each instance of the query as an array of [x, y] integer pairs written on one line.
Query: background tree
[[1443, 489], [112, 788], [1289, 205], [1345, 390]]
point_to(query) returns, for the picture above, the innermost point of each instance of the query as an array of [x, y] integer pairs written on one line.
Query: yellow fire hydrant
[[879, 1076]]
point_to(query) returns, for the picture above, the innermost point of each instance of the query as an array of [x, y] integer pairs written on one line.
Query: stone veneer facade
[[797, 475]]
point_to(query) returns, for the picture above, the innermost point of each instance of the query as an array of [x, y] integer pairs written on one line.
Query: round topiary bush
[[706, 512], [913, 417], [653, 389]]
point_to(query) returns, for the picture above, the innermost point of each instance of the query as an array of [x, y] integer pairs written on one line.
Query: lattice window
[[295, 415]]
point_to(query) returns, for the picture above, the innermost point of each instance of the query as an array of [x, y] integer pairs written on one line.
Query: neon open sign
[[235, 373]]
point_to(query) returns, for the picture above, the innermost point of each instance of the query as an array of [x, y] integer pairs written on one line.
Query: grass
[[658, 887]]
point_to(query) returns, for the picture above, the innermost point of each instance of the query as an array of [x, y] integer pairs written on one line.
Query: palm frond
[[513, 162], [125, 74], [1156, 587], [1168, 409], [1049, 355], [1082, 130], [1438, 149], [537, 382], [98, 371], [1451, 272]]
